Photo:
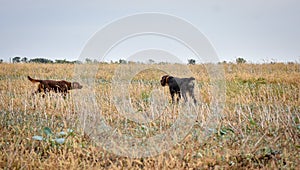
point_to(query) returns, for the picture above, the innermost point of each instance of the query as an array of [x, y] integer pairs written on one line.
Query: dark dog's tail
[[191, 78], [33, 80]]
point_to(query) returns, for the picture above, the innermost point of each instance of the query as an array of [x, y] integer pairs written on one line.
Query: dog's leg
[[179, 97], [46, 89], [65, 93], [172, 95], [184, 96], [192, 94], [194, 99], [38, 90]]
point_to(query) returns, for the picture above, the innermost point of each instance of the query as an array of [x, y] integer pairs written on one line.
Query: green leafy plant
[[58, 138]]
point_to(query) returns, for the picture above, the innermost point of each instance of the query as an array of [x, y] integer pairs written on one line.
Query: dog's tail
[[191, 78], [33, 80]]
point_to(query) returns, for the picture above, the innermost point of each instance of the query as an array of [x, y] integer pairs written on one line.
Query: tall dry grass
[[259, 126]]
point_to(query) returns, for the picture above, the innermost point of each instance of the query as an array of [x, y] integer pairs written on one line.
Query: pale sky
[[257, 30]]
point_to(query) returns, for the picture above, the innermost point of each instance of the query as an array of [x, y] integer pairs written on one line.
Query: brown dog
[[61, 86], [179, 86]]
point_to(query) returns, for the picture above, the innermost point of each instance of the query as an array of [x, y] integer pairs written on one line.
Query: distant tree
[[59, 61], [240, 60], [1, 60], [64, 61], [76, 62], [191, 61], [163, 63], [24, 60], [40, 60], [16, 59], [132, 62], [222, 62], [122, 61], [90, 61], [151, 61], [103, 62], [87, 60]]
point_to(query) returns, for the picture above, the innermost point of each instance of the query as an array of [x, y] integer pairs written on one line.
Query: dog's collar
[[167, 79]]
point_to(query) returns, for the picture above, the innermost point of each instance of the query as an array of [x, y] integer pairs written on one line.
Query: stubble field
[[259, 126]]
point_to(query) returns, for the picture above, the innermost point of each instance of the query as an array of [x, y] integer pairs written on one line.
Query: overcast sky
[[257, 30]]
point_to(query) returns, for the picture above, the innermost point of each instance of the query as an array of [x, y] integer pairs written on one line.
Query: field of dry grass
[[259, 126]]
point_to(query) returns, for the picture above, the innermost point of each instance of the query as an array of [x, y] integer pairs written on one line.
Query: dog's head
[[76, 85], [165, 80]]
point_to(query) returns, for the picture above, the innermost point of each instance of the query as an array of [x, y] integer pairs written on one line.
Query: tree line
[[18, 59], [41, 60]]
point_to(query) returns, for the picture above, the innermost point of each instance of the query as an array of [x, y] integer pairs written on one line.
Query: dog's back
[[188, 79], [184, 81]]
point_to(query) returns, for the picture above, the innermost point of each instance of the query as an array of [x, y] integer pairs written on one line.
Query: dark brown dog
[[56, 86], [179, 86]]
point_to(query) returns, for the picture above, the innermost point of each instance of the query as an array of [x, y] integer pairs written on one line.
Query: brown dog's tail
[[33, 80]]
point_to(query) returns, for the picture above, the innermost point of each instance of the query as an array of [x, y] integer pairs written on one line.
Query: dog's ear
[[168, 79], [164, 80]]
